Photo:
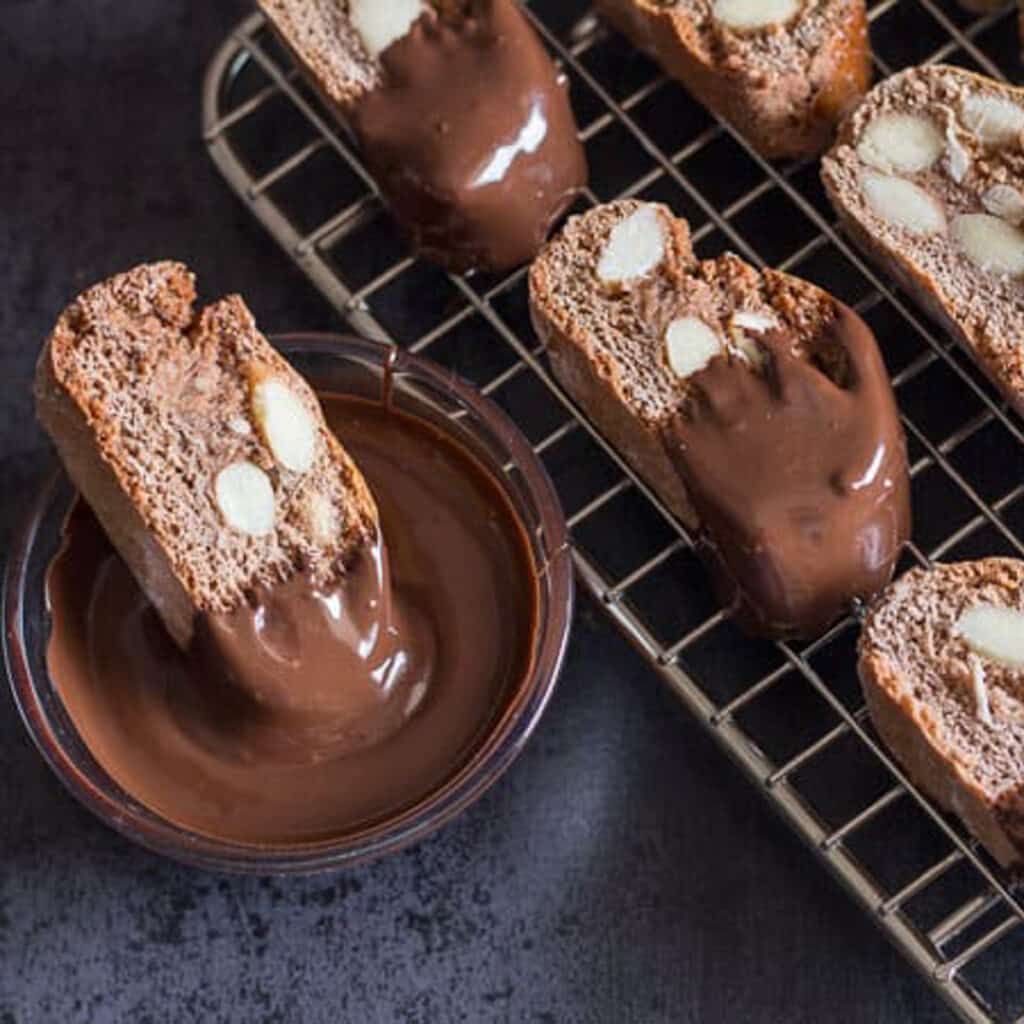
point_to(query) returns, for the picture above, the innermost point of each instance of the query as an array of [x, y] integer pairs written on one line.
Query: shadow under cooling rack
[[791, 717]]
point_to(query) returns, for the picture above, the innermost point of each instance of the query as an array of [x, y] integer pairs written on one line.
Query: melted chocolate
[[799, 477], [311, 760], [326, 671], [471, 138]]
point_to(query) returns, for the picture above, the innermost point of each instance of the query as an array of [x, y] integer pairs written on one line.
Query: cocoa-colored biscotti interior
[[928, 177]]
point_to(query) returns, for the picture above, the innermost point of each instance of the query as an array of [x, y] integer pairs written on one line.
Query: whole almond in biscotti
[[927, 177], [458, 113], [782, 72], [204, 455], [754, 404], [942, 666]]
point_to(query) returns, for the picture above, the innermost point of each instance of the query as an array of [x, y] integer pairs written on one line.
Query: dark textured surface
[[622, 871]]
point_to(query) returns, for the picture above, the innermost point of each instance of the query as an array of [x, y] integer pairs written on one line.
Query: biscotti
[[782, 72], [928, 178], [754, 404], [942, 666], [458, 113], [204, 455]]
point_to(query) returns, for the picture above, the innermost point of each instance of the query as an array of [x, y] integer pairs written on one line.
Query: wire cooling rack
[[790, 716]]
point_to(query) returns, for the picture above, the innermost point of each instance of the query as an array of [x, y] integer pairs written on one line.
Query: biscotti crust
[[148, 404], [784, 88], [910, 625], [980, 308]]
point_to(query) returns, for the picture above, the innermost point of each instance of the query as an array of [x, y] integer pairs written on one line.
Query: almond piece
[[245, 498], [1004, 202], [901, 142], [284, 421], [981, 700], [750, 321], [995, 120], [690, 345], [903, 203], [958, 160], [634, 248], [744, 323], [382, 22], [749, 15], [322, 518], [993, 632], [990, 243]]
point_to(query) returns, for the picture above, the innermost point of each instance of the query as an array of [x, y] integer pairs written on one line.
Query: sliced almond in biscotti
[[942, 666], [634, 324], [948, 228], [204, 455], [782, 72]]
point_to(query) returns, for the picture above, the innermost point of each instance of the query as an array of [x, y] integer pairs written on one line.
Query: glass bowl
[[348, 366]]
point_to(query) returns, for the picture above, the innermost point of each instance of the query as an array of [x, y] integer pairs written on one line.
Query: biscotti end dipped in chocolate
[[203, 454], [753, 403], [782, 72], [942, 667], [459, 115], [927, 176]]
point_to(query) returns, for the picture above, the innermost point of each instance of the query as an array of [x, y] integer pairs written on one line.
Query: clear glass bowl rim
[[495, 752]]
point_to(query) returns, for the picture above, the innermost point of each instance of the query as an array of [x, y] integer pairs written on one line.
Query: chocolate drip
[[326, 671], [798, 472], [471, 138]]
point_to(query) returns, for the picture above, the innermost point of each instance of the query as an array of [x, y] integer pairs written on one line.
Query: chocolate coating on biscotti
[[797, 470], [463, 123]]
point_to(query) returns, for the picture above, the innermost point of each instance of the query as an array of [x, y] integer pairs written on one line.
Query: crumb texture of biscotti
[[327, 44], [927, 176], [952, 713], [782, 72], [606, 339], [323, 40], [204, 454]]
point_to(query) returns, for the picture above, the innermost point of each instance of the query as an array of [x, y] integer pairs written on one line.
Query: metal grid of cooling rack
[[791, 717]]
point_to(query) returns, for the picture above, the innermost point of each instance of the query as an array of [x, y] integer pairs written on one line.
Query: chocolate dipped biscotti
[[203, 454], [458, 112], [942, 666], [753, 403], [267, 661], [928, 179], [781, 72]]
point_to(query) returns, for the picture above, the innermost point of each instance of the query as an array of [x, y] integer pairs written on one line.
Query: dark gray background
[[622, 871]]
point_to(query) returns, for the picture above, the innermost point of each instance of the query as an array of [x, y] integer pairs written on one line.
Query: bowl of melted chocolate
[[162, 746]]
